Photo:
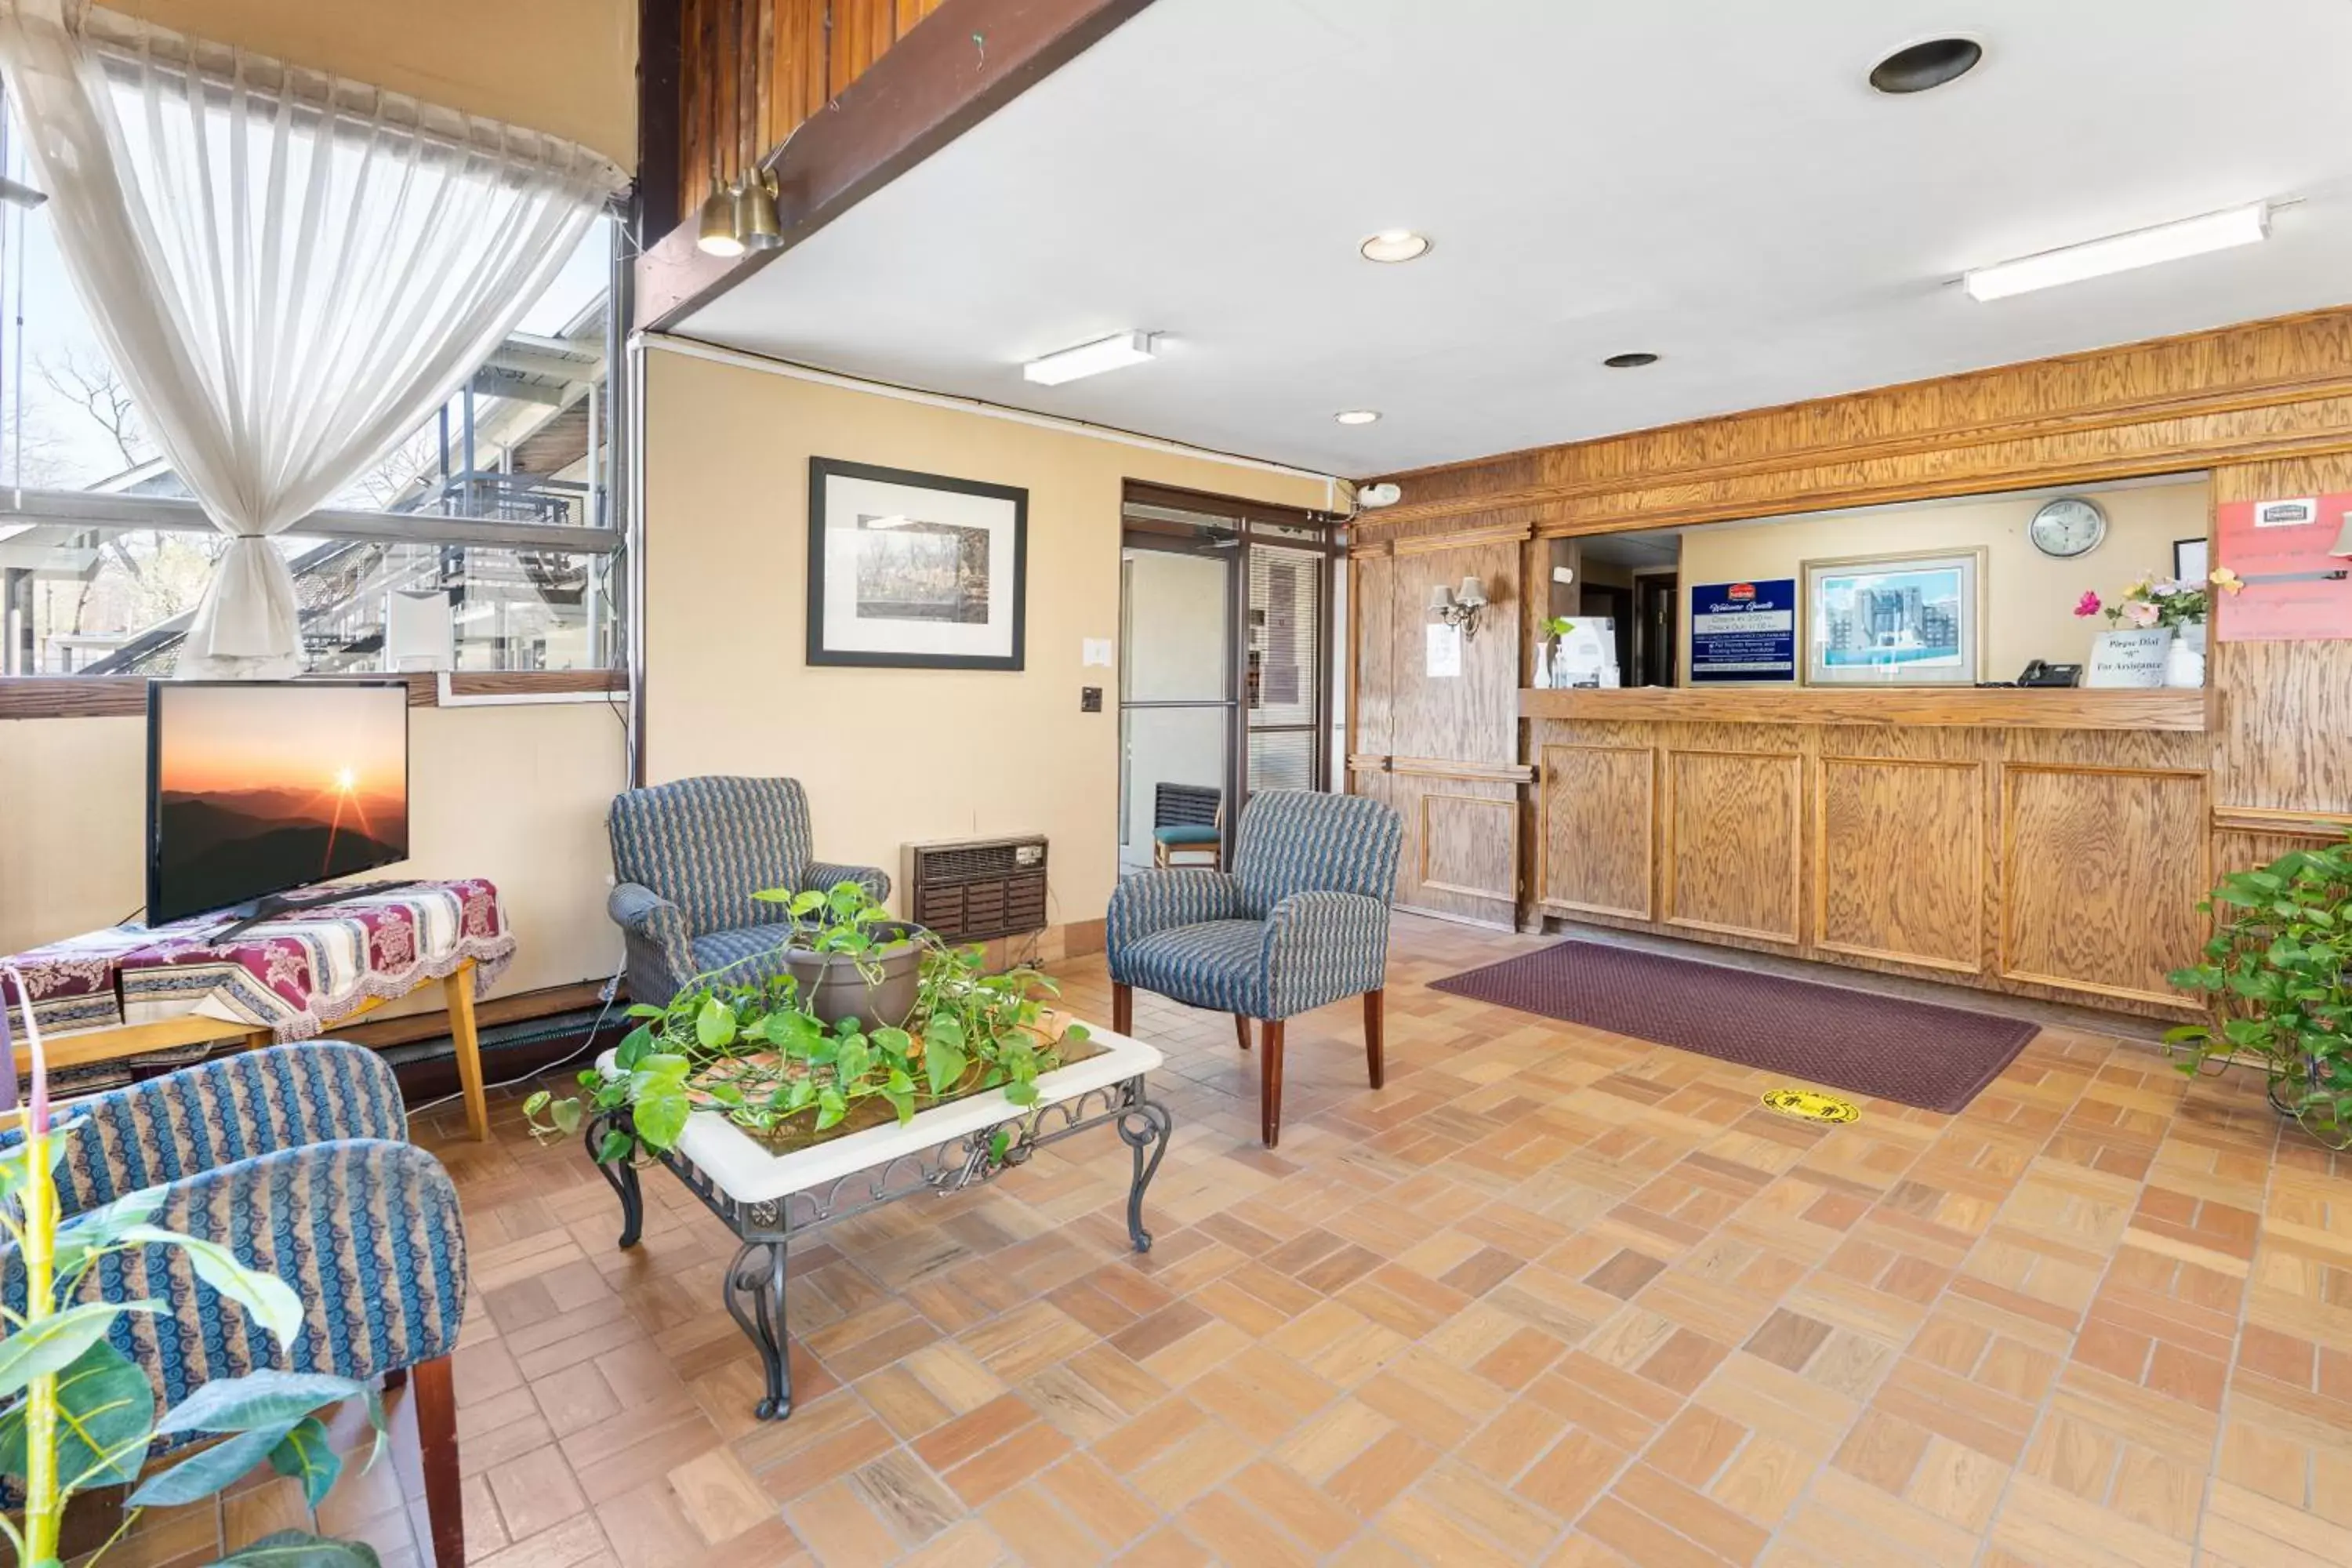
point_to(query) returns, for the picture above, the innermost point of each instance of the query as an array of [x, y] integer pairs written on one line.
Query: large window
[[486, 541]]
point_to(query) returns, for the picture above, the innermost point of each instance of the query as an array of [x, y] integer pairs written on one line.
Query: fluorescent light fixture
[[1358, 416], [1113, 352], [2122, 252]]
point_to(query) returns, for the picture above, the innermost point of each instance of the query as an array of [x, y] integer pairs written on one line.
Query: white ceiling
[[1712, 183]]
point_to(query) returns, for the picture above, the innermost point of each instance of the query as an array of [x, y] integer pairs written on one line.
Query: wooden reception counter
[[2046, 842]]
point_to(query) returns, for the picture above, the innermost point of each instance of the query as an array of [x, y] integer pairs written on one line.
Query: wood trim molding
[[2254, 391], [1430, 543], [1511, 809], [1445, 768], [1888, 707], [125, 696], [2274, 823]]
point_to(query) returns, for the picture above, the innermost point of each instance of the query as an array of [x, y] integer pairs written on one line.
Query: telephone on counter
[[2041, 672]]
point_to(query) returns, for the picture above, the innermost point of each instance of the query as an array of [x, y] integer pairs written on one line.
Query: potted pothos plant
[[850, 959], [2279, 972], [772, 1064], [76, 1414]]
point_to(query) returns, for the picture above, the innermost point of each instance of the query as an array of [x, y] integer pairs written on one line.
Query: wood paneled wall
[[2064, 864], [2059, 864], [753, 70]]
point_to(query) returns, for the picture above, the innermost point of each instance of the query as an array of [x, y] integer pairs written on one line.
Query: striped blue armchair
[[297, 1159], [1301, 920], [688, 855]]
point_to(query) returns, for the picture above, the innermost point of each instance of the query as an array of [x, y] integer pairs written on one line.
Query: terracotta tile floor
[[1552, 1296]]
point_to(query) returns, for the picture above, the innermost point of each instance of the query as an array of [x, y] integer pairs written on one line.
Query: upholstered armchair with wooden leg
[[297, 1159], [1300, 922]]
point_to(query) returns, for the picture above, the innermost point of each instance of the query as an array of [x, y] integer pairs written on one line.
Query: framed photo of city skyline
[[1894, 620], [914, 571]]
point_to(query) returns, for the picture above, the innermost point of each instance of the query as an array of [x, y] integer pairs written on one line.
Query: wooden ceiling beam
[[963, 62]]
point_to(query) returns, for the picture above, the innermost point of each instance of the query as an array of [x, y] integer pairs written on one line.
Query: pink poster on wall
[[2284, 537]]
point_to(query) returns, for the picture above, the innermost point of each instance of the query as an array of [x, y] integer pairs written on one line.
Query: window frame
[[98, 696]]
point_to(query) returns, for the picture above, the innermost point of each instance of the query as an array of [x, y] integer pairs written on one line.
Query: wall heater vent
[[974, 889]]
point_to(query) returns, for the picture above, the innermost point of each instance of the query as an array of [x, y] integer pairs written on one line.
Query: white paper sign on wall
[[2128, 658], [1444, 651]]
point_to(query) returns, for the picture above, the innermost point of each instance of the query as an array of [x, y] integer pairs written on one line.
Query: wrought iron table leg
[[1143, 1127], [755, 1298], [623, 1177]]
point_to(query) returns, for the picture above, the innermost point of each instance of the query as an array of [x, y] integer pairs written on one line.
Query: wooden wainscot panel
[[1898, 861], [1371, 590], [1733, 843], [1469, 846], [2102, 869], [1596, 848]]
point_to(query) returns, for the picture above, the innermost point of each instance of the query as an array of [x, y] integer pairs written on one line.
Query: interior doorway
[[1656, 639], [1225, 678]]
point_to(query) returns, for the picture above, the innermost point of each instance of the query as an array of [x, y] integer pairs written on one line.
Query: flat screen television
[[258, 787]]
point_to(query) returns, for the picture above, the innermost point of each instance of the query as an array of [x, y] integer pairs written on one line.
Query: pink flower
[[2088, 604], [2140, 613]]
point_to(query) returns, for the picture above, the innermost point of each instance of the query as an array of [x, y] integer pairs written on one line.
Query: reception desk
[[2048, 843]]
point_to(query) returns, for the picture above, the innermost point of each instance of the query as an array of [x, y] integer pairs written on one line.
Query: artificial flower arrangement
[[2161, 601]]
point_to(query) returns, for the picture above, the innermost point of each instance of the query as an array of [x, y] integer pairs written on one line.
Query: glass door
[[1175, 699], [1283, 684]]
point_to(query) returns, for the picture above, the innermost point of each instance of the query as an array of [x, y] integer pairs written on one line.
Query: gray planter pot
[[832, 986]]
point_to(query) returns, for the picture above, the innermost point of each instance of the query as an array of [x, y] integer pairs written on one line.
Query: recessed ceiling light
[[1927, 65], [1395, 244], [1114, 352], [1630, 362], [1358, 416], [2122, 252]]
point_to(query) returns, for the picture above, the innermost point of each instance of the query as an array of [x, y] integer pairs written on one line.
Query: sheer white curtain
[[289, 270]]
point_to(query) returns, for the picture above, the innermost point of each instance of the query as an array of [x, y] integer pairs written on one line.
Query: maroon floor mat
[[1937, 1058]]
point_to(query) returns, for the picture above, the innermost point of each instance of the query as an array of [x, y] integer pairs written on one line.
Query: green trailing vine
[[2279, 972], [757, 1053]]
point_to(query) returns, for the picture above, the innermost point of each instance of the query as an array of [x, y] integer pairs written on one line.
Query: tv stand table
[[135, 990]]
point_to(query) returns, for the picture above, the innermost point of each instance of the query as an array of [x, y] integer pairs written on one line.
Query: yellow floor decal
[[1812, 1105]]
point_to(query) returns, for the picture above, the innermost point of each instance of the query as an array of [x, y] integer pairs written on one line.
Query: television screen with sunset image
[[259, 787]]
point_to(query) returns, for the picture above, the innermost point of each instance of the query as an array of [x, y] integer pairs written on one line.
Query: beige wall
[[889, 755], [2030, 596], [566, 66], [514, 794]]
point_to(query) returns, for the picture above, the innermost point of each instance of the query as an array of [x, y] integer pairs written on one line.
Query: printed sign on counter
[[1744, 631]]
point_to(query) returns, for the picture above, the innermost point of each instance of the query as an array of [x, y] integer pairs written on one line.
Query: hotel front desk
[[2051, 843]]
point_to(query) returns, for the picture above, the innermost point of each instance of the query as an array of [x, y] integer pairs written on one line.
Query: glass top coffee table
[[768, 1199]]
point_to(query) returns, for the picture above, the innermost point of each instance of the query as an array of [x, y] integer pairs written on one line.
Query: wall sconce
[[1459, 606], [740, 217]]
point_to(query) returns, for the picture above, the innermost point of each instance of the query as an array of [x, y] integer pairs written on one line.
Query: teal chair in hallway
[[1300, 922]]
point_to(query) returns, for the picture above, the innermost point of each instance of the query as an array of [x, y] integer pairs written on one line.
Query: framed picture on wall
[[2191, 560], [914, 570], [1894, 620]]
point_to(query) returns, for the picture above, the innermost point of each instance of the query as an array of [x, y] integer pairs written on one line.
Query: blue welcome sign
[[1744, 631]]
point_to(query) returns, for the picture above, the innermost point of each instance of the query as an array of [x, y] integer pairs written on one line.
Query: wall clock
[[2067, 527]]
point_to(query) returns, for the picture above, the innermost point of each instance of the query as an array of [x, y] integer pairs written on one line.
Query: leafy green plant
[[758, 1055], [844, 919], [2279, 969], [77, 1414], [1558, 627]]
